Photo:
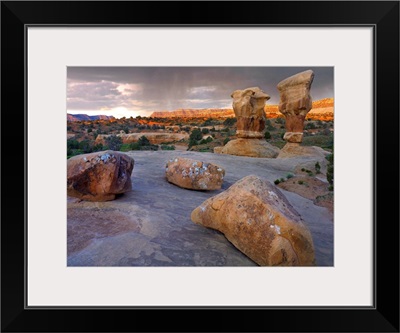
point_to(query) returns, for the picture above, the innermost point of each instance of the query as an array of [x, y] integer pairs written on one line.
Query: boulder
[[218, 150], [193, 174], [295, 149], [248, 105], [295, 103], [249, 147], [256, 217], [99, 176]]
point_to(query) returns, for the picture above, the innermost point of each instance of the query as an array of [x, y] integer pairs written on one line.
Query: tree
[[144, 141]]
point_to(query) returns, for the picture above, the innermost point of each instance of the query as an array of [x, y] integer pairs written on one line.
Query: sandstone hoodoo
[[248, 105], [193, 174], [295, 103], [256, 217], [99, 176]]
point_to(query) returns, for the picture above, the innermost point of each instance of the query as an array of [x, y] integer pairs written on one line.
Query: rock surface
[[295, 149], [151, 225], [295, 102], [99, 176], [250, 148], [257, 218], [248, 105], [194, 174]]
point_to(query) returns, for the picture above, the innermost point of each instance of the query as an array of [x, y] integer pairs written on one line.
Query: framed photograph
[[243, 165]]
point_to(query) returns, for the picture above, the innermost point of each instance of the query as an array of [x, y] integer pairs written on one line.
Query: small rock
[[194, 175], [256, 217], [99, 176]]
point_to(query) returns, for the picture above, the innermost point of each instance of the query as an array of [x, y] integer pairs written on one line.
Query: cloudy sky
[[133, 91]]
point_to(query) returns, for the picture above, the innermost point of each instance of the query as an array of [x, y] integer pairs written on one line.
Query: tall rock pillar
[[295, 103]]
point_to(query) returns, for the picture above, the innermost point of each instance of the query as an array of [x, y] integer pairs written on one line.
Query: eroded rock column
[[295, 103], [248, 105]]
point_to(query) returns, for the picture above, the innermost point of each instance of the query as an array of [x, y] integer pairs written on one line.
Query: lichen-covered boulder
[[194, 175], [99, 176], [256, 217]]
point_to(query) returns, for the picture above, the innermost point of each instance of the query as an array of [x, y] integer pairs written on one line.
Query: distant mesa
[[321, 110], [83, 117]]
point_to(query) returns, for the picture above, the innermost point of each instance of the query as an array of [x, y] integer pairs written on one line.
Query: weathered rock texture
[[193, 174], [248, 105], [258, 219], [99, 176], [295, 103], [291, 149], [249, 147]]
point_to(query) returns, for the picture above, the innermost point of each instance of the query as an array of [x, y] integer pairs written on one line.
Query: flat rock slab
[[151, 225]]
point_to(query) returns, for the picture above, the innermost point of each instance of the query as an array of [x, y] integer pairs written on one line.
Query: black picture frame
[[383, 316]]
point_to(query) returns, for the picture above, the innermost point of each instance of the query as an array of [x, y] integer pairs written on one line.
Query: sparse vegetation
[[317, 168], [113, 142]]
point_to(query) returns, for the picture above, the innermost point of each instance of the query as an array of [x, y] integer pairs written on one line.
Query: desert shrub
[[126, 130], [317, 168], [113, 142], [208, 122], [226, 140], [89, 130], [86, 146], [229, 121], [194, 137], [166, 147], [310, 125], [282, 180], [205, 130], [208, 140], [300, 182], [289, 175], [267, 135], [144, 141], [125, 147], [72, 144], [276, 181], [329, 171], [280, 121]]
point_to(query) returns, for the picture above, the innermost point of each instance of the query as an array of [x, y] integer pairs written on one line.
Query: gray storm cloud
[[170, 88]]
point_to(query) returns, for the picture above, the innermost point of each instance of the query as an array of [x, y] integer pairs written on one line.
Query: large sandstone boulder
[[295, 103], [249, 147], [248, 105], [255, 216], [194, 175], [99, 176]]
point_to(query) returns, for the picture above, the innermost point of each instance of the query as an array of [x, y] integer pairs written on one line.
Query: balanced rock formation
[[194, 175], [99, 176], [295, 103], [256, 217], [249, 105]]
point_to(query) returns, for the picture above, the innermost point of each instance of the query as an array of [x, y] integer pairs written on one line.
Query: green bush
[[317, 168], [205, 130], [300, 182], [276, 181], [229, 121], [226, 140], [289, 175], [165, 147], [329, 171], [113, 142], [125, 147], [267, 135]]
